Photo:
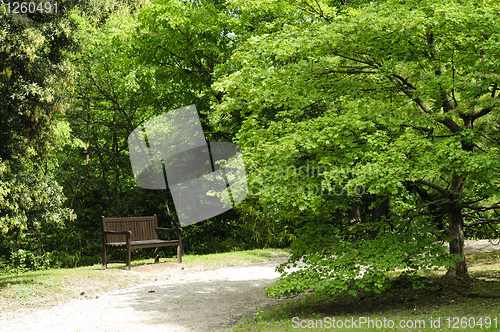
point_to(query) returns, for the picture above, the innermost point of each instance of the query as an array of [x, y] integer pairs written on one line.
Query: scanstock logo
[[205, 179]]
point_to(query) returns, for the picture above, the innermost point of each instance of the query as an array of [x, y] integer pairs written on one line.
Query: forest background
[[369, 129]]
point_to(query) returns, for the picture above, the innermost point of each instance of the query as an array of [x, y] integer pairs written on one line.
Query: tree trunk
[[380, 210], [355, 213], [456, 233]]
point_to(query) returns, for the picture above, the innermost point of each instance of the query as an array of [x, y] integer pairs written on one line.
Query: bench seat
[[144, 244]]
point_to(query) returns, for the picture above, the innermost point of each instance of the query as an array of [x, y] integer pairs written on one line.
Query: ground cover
[[439, 304]]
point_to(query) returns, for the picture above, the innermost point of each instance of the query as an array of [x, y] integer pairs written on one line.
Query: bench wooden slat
[[143, 234], [149, 243]]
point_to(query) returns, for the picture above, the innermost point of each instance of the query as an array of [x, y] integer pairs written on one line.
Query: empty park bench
[[135, 233]]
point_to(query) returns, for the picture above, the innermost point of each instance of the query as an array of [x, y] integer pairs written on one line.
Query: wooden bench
[[134, 233]]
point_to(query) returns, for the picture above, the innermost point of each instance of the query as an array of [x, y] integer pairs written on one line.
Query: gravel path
[[179, 301]]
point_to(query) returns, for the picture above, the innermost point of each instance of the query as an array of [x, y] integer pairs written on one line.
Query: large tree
[[33, 76], [392, 107]]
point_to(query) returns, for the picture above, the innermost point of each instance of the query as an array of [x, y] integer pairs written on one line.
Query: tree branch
[[406, 87], [371, 64], [481, 207], [429, 131], [197, 50], [480, 113], [483, 221], [447, 105], [434, 186], [353, 71], [451, 125], [494, 90], [312, 10]]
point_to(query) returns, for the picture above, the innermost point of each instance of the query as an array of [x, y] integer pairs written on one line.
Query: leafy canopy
[[393, 100]]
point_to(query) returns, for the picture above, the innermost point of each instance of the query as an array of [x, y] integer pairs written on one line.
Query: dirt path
[[474, 246], [179, 301]]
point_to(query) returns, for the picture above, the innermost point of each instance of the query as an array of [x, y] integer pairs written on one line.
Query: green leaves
[[401, 78], [34, 77], [389, 100], [31, 201], [334, 264]]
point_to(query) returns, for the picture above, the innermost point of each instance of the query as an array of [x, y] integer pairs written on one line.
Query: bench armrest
[[126, 233], [177, 231]]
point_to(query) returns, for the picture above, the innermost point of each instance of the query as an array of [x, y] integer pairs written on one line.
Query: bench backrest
[[142, 228]]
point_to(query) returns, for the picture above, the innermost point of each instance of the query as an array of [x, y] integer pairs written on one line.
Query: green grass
[[234, 258], [49, 286], [55, 284], [441, 300], [484, 258]]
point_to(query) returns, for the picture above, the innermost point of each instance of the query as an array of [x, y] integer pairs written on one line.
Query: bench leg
[[128, 258], [104, 258], [157, 257], [179, 253]]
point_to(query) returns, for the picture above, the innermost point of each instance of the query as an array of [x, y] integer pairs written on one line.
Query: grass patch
[[235, 258], [483, 258], [49, 286], [55, 285], [440, 305]]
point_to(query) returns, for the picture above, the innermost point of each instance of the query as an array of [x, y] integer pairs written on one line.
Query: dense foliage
[[129, 73], [378, 126], [370, 130], [33, 74]]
